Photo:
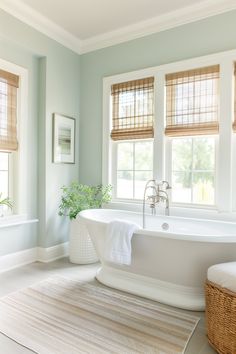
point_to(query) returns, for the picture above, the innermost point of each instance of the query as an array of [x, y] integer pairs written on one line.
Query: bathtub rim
[[164, 234]]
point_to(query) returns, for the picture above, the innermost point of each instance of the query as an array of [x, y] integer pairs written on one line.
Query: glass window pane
[[3, 161], [203, 188], [125, 184], [126, 104], [144, 155], [141, 178], [125, 156], [4, 183], [181, 187], [182, 154], [204, 153]]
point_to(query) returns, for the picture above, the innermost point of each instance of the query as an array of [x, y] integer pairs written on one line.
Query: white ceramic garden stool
[[81, 249]]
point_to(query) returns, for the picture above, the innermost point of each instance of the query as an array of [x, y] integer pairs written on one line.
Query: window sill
[[180, 211], [15, 220]]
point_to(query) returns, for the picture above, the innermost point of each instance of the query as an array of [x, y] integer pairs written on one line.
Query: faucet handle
[[151, 198], [166, 184]]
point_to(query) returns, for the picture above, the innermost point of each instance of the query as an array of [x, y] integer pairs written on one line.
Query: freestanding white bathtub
[[169, 266]]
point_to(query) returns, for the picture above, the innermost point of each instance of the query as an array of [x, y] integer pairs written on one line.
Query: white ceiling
[[85, 25], [88, 18]]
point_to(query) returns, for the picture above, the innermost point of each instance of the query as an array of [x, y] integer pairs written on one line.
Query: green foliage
[[6, 201], [193, 155], [77, 197]]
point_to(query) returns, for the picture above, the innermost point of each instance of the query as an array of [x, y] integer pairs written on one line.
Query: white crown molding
[[160, 23], [42, 24]]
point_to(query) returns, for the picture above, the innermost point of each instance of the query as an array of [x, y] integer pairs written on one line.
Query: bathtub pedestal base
[[188, 298]]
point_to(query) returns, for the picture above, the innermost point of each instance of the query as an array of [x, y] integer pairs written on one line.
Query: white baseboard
[[14, 260], [18, 259], [51, 253]]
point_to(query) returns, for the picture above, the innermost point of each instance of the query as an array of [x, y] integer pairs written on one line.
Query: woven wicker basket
[[81, 249], [221, 318]]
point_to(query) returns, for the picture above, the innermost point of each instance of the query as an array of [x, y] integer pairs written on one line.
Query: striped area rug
[[64, 316]]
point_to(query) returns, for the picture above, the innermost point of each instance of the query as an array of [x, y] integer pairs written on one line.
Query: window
[[193, 147], [8, 111], [132, 115], [192, 100], [134, 168], [193, 170], [8, 130], [4, 178], [132, 125]]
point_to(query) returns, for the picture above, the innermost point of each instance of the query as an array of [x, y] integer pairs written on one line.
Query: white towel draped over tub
[[118, 241]]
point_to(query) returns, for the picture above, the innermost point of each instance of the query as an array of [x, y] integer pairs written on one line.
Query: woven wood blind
[[192, 100], [133, 109], [8, 110]]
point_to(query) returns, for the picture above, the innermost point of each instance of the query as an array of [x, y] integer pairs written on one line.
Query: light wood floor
[[22, 277]]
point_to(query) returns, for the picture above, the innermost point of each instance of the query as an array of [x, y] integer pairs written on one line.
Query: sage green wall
[[53, 87], [196, 39], [64, 82]]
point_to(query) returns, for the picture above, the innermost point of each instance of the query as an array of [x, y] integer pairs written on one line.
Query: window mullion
[[192, 172], [114, 170], [159, 127], [134, 170], [224, 177]]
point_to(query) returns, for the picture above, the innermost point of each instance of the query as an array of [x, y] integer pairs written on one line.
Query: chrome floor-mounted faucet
[[157, 195]]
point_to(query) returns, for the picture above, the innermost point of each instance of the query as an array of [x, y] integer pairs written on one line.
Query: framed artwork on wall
[[63, 139]]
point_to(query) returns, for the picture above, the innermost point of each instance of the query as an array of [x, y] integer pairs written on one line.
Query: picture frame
[[63, 139]]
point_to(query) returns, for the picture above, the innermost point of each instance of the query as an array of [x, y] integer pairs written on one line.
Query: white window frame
[[226, 146], [169, 173], [18, 160], [10, 172], [115, 169]]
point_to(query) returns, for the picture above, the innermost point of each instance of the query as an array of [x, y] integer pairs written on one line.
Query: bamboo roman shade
[[192, 102], [133, 109], [8, 110]]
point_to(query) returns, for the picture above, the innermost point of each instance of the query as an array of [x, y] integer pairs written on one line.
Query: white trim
[[18, 259], [16, 220], [234, 174], [114, 164], [52, 253], [20, 161], [22, 191], [45, 255], [106, 142], [160, 23], [169, 159], [186, 211], [159, 129], [223, 149], [187, 64], [41, 23], [224, 180], [188, 298]]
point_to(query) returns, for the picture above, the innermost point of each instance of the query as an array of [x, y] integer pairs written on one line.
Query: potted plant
[[4, 202], [75, 198]]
